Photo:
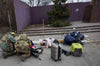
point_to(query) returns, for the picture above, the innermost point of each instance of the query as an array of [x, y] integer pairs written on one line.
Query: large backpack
[[68, 40], [4, 38], [22, 41]]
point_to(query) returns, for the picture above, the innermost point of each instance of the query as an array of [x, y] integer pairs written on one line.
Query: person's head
[[43, 43], [13, 34]]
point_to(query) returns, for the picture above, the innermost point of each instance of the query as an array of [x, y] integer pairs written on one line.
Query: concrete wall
[[77, 10], [26, 15], [23, 15], [40, 13]]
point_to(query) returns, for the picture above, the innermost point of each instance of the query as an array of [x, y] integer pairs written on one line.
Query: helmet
[[12, 33]]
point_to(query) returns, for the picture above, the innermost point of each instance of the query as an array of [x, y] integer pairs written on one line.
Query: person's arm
[[12, 39]]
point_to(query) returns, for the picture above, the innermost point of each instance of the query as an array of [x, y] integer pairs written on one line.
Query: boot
[[4, 55], [17, 54], [23, 59]]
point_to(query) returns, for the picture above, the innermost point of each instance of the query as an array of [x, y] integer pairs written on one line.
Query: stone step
[[63, 30], [59, 33], [55, 28]]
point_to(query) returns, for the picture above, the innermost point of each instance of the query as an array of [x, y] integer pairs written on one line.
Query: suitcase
[[56, 51]]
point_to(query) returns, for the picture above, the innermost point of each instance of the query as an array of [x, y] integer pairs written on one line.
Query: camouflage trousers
[[9, 53], [25, 51]]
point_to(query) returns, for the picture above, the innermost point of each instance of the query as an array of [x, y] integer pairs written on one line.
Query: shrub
[[59, 13], [60, 23]]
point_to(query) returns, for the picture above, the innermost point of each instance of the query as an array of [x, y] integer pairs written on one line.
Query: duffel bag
[[68, 40]]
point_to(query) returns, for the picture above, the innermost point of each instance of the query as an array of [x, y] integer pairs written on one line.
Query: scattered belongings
[[23, 47], [76, 49], [77, 35], [35, 50], [46, 43], [65, 52], [56, 51], [7, 44], [27, 47], [68, 40], [74, 37], [61, 41]]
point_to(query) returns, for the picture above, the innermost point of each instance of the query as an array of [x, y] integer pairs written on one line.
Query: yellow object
[[43, 26], [12, 33], [94, 40], [61, 41], [19, 38], [29, 43], [76, 46]]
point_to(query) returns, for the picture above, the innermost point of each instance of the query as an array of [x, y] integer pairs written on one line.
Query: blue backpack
[[68, 40]]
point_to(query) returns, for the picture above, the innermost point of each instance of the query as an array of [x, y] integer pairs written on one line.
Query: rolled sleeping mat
[[61, 41]]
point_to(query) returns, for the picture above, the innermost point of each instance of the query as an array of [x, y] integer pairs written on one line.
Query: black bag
[[77, 35], [65, 52]]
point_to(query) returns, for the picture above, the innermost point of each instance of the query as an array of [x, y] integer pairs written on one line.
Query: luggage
[[4, 38], [56, 52], [76, 49], [68, 40], [56, 41], [77, 35]]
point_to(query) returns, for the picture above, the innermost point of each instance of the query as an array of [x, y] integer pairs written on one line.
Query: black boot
[[4, 55]]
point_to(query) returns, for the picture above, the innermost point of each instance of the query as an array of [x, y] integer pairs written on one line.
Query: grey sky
[[50, 3]]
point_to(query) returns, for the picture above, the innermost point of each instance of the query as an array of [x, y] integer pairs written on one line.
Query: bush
[[60, 23], [59, 12]]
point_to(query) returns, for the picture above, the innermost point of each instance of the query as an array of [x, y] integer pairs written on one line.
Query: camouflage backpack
[[4, 38], [4, 41], [22, 41]]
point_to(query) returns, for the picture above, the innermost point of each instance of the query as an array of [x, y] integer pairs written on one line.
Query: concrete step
[[59, 33], [62, 30], [55, 28]]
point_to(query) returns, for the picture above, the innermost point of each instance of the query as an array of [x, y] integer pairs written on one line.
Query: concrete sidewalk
[[90, 57]]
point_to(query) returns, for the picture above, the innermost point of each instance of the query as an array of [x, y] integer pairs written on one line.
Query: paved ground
[[91, 56]]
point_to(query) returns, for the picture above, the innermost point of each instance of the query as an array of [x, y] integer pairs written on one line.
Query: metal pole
[[43, 26]]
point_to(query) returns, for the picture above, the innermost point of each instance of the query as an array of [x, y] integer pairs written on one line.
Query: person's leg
[[10, 53], [4, 54], [26, 55]]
